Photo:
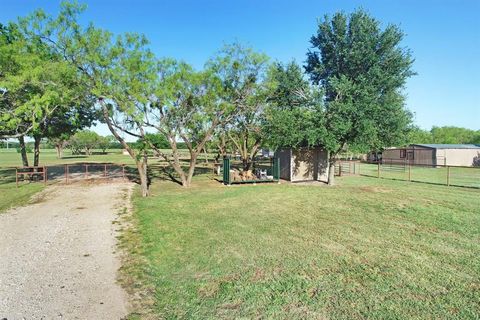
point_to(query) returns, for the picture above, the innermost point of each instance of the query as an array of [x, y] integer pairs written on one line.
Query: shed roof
[[448, 146]]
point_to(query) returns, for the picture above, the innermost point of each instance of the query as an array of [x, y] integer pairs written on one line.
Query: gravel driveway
[[57, 256]]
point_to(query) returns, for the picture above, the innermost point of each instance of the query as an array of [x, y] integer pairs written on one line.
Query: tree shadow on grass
[[167, 173], [7, 175], [79, 156]]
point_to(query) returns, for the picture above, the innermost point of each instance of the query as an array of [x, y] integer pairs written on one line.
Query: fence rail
[[69, 173], [459, 176]]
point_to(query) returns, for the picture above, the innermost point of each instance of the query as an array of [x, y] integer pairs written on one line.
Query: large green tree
[[293, 105], [187, 106], [362, 69], [243, 73], [34, 82], [85, 140], [118, 71]]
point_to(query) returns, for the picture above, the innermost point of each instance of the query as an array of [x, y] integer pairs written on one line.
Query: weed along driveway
[[58, 255]]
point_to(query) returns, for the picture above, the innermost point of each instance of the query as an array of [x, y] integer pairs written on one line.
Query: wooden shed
[[303, 164]]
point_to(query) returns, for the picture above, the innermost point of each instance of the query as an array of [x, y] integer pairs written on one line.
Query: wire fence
[[70, 173], [434, 174]]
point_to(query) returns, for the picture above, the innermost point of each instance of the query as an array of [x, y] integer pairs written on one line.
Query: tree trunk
[[206, 155], [331, 173], [36, 152], [59, 148], [143, 174], [23, 151], [141, 165], [191, 171], [246, 164]]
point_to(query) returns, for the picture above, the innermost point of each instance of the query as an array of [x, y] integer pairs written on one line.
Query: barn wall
[[426, 156], [393, 154], [460, 157], [303, 166], [309, 165], [421, 156]]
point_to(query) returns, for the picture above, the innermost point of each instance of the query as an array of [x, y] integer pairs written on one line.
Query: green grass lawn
[[11, 158], [11, 197], [458, 176], [48, 157], [367, 248]]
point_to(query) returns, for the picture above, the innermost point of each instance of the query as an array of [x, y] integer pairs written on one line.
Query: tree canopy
[[362, 70], [58, 75], [293, 104], [444, 135], [242, 72]]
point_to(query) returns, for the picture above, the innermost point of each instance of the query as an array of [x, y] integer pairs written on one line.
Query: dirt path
[[57, 256]]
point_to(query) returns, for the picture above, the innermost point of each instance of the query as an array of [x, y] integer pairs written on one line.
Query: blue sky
[[444, 37]]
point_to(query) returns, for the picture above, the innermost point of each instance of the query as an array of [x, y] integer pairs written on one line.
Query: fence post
[[276, 169], [409, 172], [448, 175], [16, 176], [378, 170], [226, 171], [45, 175], [340, 168], [105, 171], [86, 171], [67, 173]]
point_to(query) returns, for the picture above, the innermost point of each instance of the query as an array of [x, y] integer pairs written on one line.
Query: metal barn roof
[[448, 146]]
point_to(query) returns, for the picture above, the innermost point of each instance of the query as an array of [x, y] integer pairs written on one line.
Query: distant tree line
[[444, 135], [58, 77]]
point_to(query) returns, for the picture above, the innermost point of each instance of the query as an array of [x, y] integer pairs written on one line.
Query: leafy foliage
[[35, 82], [242, 73], [444, 135], [293, 105], [187, 104], [362, 70], [84, 140]]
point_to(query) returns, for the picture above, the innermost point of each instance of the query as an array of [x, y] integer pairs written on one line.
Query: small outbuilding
[[303, 164], [434, 154]]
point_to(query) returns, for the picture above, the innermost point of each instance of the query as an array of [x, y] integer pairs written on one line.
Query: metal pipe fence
[[459, 176], [70, 173]]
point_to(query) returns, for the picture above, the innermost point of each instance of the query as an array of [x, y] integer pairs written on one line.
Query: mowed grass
[[367, 248], [11, 158], [10, 195], [455, 176]]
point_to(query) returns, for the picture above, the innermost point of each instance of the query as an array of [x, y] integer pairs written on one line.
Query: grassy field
[[13, 197], [11, 158], [367, 248]]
